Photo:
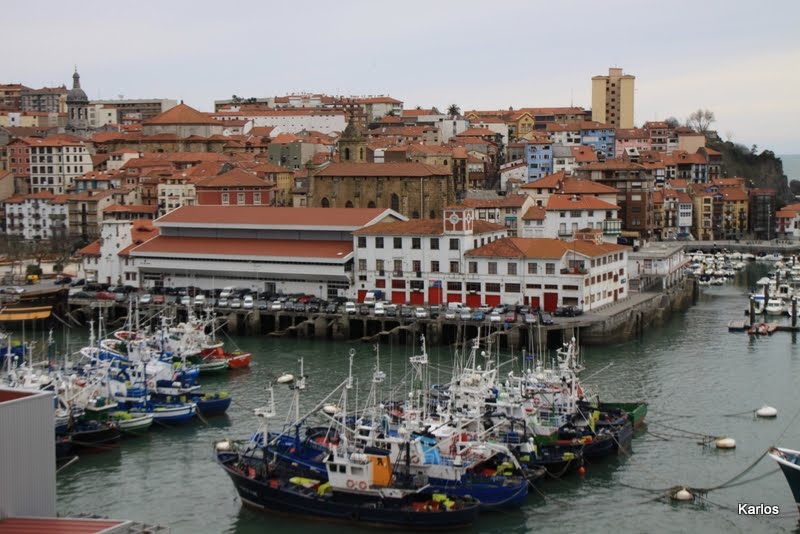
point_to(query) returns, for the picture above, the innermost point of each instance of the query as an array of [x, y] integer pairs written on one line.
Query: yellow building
[[612, 98]]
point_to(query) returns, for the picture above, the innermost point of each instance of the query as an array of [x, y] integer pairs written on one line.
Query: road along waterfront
[[691, 371]]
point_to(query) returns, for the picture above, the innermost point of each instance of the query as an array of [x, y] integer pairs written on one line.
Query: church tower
[[77, 108], [352, 145]]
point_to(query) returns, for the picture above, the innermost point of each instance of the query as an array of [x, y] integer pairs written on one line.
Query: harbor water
[[692, 372]]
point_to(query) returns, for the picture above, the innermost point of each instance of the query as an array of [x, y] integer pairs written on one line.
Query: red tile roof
[[233, 178], [577, 186], [733, 194], [551, 181], [416, 170], [576, 202], [182, 114], [227, 247], [533, 247], [271, 216], [535, 213]]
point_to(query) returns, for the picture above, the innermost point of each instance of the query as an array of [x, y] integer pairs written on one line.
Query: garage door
[[361, 294], [493, 300], [535, 302], [550, 302], [434, 295], [398, 297], [454, 297], [417, 298], [473, 301]]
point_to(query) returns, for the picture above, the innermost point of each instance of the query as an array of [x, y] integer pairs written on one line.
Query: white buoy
[[683, 494], [223, 445], [330, 409], [767, 411], [725, 443], [285, 379]]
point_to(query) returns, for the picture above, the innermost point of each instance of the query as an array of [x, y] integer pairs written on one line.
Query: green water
[[692, 372]]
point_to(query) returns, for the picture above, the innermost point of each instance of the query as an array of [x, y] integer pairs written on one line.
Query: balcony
[[575, 270], [612, 227]]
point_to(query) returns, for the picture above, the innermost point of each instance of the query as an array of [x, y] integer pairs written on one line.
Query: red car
[[158, 299], [104, 295]]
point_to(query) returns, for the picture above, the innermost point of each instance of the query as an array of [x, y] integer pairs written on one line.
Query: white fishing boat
[[775, 306]]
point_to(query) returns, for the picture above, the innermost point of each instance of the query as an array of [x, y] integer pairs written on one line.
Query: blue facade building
[[601, 138], [539, 159]]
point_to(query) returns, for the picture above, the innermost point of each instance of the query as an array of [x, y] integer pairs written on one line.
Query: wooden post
[[752, 310], [777, 278], [766, 297], [794, 312]]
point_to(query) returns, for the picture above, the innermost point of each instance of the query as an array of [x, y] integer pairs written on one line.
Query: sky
[[739, 59]]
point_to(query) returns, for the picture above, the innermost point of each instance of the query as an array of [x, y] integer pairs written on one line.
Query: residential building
[[538, 157], [19, 163], [182, 121], [612, 98], [108, 259], [788, 222], [735, 212], [290, 120], [504, 210], [282, 180], [235, 187], [143, 109], [272, 250], [47, 99], [672, 214], [656, 266], [547, 273], [421, 261], [129, 212], [762, 213], [566, 214], [85, 209], [11, 96], [175, 191], [36, 216], [56, 161], [292, 152]]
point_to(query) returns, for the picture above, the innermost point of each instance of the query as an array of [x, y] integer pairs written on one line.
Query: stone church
[[416, 190]]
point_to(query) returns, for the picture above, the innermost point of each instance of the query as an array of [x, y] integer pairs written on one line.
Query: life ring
[[362, 485], [351, 484], [536, 401], [415, 460]]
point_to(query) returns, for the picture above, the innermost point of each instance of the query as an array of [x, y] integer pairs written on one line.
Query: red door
[[473, 300], [492, 300], [434, 295], [615, 295], [550, 302], [535, 302], [454, 297], [398, 297], [361, 294], [417, 298]]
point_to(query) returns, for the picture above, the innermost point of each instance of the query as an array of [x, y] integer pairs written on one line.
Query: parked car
[[104, 295], [158, 299], [495, 317], [465, 314], [223, 302], [236, 303], [363, 309], [200, 300], [568, 311], [276, 305], [478, 316], [485, 308], [299, 307], [406, 311], [450, 314], [510, 317], [545, 318], [248, 302], [261, 304], [380, 309], [81, 295], [313, 307], [78, 282], [391, 310], [522, 310], [420, 313], [332, 307], [530, 318], [63, 280], [186, 300], [501, 309], [434, 311]]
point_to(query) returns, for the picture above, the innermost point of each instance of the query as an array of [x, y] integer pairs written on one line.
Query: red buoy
[[581, 470]]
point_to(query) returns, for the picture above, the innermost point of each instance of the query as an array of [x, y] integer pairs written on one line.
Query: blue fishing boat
[[211, 403], [789, 462]]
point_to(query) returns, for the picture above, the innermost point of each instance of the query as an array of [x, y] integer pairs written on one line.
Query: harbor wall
[[633, 321]]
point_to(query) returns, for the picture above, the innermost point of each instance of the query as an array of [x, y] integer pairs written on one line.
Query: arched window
[[432, 214], [325, 203], [395, 202], [349, 204], [347, 154], [371, 204]]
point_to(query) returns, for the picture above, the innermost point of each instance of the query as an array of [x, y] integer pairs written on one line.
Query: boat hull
[[212, 406], [788, 462], [492, 494]]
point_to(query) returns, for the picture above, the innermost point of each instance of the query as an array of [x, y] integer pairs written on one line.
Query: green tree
[[453, 110]]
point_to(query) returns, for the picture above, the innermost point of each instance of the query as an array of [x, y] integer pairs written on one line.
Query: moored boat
[[212, 403], [789, 462], [133, 423]]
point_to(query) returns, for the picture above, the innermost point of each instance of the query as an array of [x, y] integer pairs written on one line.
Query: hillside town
[[338, 195]]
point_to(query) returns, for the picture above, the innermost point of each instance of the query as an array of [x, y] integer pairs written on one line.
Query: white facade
[[55, 164], [564, 223], [325, 121], [100, 115], [174, 193], [657, 265], [450, 127], [109, 266], [37, 216], [517, 170], [685, 216]]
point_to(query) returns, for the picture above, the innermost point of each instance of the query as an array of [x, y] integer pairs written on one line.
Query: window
[[533, 268], [416, 266], [493, 288], [512, 267], [575, 213], [379, 266], [492, 267], [454, 244], [473, 267], [453, 266], [398, 267], [226, 198], [434, 266], [416, 243], [395, 202], [562, 214], [434, 243], [513, 288], [550, 268], [378, 242], [454, 286], [473, 287], [398, 242], [362, 242], [362, 265]]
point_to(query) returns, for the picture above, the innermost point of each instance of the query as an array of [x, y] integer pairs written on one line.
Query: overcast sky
[[739, 59]]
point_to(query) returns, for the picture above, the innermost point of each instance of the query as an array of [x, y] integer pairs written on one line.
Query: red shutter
[[361, 294], [398, 297]]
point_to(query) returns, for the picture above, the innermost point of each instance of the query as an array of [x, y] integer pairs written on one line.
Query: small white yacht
[[775, 307]]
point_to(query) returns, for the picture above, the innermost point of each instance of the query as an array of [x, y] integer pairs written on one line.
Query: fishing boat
[[789, 462], [132, 423], [775, 306], [234, 360], [211, 403], [91, 435], [212, 366]]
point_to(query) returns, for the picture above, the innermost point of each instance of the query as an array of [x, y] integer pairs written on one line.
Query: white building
[[660, 265], [516, 171], [566, 214], [421, 260], [56, 162], [273, 250], [549, 272], [450, 127], [37, 216], [321, 120], [108, 259], [174, 192], [100, 115]]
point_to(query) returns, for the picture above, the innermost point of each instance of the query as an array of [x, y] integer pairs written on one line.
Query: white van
[[248, 302], [227, 292], [457, 306], [350, 308], [200, 300], [379, 309]]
